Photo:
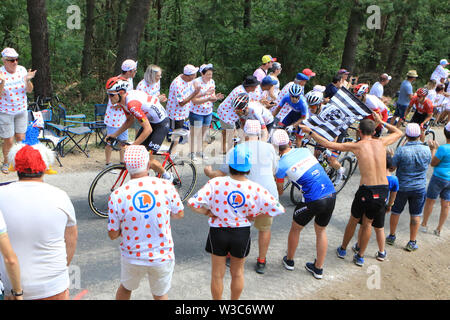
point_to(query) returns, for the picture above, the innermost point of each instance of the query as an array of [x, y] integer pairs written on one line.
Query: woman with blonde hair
[[151, 84]]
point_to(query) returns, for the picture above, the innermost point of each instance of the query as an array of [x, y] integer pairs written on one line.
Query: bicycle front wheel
[[339, 184], [107, 181], [185, 177]]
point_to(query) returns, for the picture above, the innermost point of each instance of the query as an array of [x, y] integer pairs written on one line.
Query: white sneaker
[[167, 176], [424, 229], [340, 175]]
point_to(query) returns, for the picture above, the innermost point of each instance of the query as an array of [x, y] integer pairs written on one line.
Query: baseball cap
[[252, 127], [239, 158], [267, 58], [280, 138], [189, 70], [9, 53], [129, 65], [136, 159], [443, 62], [308, 72], [386, 76], [268, 81], [319, 88], [413, 130], [301, 76], [343, 71], [208, 66]]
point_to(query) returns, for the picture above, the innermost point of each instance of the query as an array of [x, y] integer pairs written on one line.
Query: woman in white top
[[151, 84], [274, 73]]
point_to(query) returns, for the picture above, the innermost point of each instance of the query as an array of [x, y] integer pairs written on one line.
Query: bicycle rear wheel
[[103, 185], [401, 142], [296, 195], [185, 177], [346, 163], [430, 135]]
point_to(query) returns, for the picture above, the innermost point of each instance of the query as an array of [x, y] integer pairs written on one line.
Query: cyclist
[[424, 110], [303, 169], [150, 114], [300, 79]]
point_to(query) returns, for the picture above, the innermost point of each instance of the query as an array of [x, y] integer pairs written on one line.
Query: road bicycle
[[111, 178]]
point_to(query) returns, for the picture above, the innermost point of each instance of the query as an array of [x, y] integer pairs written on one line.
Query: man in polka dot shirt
[[140, 213]]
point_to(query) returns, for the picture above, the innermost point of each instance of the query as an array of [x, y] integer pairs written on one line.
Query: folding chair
[[77, 132], [98, 125]]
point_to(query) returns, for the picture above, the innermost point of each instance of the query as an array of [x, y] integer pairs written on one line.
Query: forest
[[76, 45]]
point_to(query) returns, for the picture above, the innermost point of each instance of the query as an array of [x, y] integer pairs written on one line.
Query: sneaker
[[5, 168], [355, 248], [380, 256], [341, 253], [424, 229], [288, 264], [390, 239], [358, 260], [260, 267], [339, 176], [316, 272], [167, 176], [411, 246], [437, 233]]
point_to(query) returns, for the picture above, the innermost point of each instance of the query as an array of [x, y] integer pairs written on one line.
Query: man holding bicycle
[[150, 114]]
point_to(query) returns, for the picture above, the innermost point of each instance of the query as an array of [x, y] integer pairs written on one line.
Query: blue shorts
[[198, 120], [400, 111], [438, 187], [122, 137], [415, 199], [291, 117]]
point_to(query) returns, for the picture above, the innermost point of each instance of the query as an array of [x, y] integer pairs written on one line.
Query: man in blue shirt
[[412, 161], [405, 95], [303, 169], [333, 87]]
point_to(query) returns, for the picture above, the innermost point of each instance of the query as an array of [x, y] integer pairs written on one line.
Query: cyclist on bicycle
[[252, 110], [299, 109], [150, 114], [424, 110], [305, 172]]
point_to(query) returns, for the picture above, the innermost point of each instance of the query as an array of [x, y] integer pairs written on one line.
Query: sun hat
[[9, 53], [136, 159], [189, 70], [443, 62], [239, 158], [280, 138], [129, 65], [252, 127], [208, 66], [413, 130], [412, 74]]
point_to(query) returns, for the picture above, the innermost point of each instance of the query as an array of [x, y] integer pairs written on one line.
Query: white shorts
[[11, 124], [159, 277]]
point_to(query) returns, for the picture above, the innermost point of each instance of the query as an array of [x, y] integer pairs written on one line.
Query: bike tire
[[296, 195], [103, 185], [428, 134], [185, 177], [346, 163]]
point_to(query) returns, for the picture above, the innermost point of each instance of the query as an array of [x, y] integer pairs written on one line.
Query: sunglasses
[[13, 60], [112, 94]]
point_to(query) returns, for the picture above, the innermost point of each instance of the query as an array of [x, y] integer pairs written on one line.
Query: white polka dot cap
[[413, 130], [129, 65], [136, 159], [280, 138], [252, 127]]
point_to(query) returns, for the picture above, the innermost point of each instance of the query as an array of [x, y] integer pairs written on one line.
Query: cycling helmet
[[314, 97], [116, 84], [295, 90], [422, 92], [361, 89], [240, 102]]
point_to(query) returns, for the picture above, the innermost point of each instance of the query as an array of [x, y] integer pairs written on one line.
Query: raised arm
[[347, 146]]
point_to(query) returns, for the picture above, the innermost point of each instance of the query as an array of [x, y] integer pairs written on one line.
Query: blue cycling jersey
[[303, 169], [301, 106]]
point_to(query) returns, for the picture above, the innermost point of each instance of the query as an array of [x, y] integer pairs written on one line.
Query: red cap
[[308, 72]]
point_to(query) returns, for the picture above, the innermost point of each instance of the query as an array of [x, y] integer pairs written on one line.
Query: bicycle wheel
[[103, 185], [296, 195], [346, 163], [430, 135], [185, 177]]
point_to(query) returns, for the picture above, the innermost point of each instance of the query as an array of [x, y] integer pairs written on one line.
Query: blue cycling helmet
[[295, 90]]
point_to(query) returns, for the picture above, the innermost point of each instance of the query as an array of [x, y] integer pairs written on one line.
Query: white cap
[[280, 138], [129, 65], [9, 53], [443, 62], [190, 70], [252, 127], [413, 130], [319, 88], [385, 75]]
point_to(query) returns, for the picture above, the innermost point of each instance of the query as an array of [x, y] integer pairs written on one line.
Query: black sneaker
[[260, 267], [316, 272], [288, 264]]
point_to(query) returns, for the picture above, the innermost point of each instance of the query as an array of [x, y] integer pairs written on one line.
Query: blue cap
[[239, 158], [268, 81], [301, 76]]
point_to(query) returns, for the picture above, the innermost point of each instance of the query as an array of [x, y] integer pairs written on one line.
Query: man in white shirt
[[267, 63], [378, 87], [41, 224]]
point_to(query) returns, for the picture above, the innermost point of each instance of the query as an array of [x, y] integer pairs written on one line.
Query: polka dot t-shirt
[[141, 210], [14, 97], [151, 89], [225, 112], [178, 92], [231, 201], [206, 108]]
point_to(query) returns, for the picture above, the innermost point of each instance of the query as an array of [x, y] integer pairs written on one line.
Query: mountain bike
[[111, 178]]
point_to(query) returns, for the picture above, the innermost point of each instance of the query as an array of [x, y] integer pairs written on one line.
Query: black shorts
[[418, 117], [235, 241], [176, 124], [371, 202], [322, 209], [156, 138]]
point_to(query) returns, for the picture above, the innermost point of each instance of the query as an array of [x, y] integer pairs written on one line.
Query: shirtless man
[[370, 198]]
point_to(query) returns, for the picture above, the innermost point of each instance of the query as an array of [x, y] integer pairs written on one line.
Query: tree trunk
[[158, 31], [396, 43], [40, 56], [131, 35], [377, 45], [247, 13], [351, 39], [88, 36]]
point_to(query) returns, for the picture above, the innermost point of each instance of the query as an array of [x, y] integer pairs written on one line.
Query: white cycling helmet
[[240, 102], [295, 90], [314, 98], [116, 84]]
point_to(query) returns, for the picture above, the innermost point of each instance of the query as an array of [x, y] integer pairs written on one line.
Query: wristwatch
[[16, 294]]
